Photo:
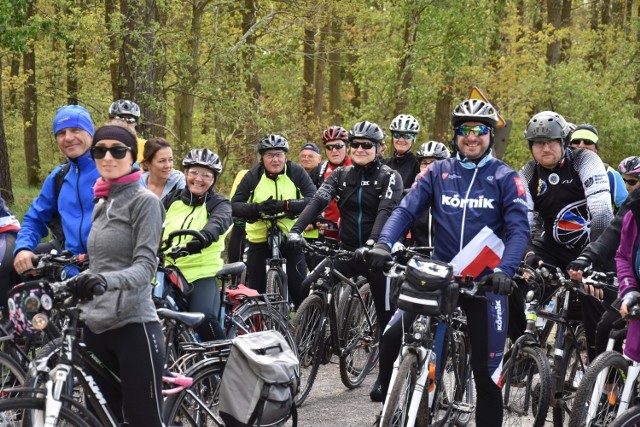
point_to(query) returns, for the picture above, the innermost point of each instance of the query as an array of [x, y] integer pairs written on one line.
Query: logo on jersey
[[519, 186], [499, 322], [542, 187], [596, 179], [477, 203], [554, 179], [572, 225]]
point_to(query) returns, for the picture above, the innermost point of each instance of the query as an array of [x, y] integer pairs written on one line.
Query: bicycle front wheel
[[598, 397], [262, 317], [309, 330], [397, 406], [526, 387], [276, 286], [360, 339], [11, 374], [566, 369], [629, 418], [24, 411]]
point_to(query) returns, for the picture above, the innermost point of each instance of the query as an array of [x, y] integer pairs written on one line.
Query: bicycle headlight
[[419, 327], [40, 321]]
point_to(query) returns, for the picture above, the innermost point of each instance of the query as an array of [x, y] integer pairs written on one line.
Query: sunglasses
[[478, 130], [630, 182], [365, 145], [117, 152], [204, 175], [334, 147], [398, 135], [126, 119], [583, 141]]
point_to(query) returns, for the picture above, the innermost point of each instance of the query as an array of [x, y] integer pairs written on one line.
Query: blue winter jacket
[[74, 203], [479, 214]]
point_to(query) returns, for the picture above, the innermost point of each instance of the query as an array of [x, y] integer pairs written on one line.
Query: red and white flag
[[483, 251]]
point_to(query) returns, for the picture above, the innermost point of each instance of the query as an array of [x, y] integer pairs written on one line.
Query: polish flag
[[483, 251]]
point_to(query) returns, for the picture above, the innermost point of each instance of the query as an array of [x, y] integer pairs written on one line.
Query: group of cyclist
[[477, 212]]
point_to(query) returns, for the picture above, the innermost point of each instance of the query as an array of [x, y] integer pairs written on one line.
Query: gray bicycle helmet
[[405, 123], [546, 126], [433, 149], [474, 110], [367, 130], [124, 107], [273, 142], [205, 158]]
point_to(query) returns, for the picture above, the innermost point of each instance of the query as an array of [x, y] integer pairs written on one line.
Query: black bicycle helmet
[[433, 149], [205, 158], [124, 107], [547, 126], [367, 130], [474, 110], [273, 142]]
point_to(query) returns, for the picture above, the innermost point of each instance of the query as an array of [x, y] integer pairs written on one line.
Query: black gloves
[[85, 286], [296, 241], [378, 257], [194, 246], [579, 264], [532, 260], [502, 284], [272, 207]]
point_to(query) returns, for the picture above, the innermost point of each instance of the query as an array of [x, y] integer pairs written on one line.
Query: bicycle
[[276, 282], [610, 385], [354, 336], [568, 351], [431, 383]]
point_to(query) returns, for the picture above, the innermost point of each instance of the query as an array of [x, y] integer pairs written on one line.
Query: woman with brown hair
[[160, 177]]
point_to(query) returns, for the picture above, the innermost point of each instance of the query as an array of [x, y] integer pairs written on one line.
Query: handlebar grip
[[99, 289]]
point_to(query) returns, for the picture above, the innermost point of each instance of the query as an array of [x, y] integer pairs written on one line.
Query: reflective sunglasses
[[117, 151], [204, 175], [583, 141], [477, 130], [630, 182], [365, 145], [126, 119], [405, 135], [334, 147]]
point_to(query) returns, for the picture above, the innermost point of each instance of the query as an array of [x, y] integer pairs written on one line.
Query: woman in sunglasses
[[122, 327], [404, 130]]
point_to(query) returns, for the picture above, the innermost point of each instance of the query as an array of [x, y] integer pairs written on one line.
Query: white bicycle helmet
[[124, 106], [405, 123], [433, 149]]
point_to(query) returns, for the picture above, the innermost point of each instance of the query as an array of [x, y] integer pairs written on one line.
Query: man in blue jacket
[[65, 203], [481, 228]]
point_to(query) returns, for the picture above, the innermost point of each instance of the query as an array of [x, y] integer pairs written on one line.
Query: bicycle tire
[[13, 413], [360, 351], [195, 405], [526, 384], [11, 375], [629, 418], [583, 413], [264, 317], [309, 331], [397, 407], [464, 393], [275, 285], [568, 366]]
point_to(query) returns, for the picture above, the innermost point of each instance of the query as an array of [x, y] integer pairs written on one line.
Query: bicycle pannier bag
[[259, 382], [427, 288]]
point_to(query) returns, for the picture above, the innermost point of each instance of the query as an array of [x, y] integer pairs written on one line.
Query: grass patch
[[23, 196]]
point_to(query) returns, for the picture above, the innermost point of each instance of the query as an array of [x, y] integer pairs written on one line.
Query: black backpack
[[55, 225]]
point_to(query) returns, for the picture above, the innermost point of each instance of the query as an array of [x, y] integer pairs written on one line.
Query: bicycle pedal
[[465, 408]]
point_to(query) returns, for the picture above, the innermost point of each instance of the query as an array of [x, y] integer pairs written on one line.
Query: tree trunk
[[6, 188], [110, 8], [442, 118], [335, 72], [126, 64], [15, 72], [554, 17], [321, 63], [252, 82], [308, 54], [72, 73], [30, 113], [565, 19]]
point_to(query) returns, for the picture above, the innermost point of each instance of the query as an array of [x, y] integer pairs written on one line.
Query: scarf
[[101, 188]]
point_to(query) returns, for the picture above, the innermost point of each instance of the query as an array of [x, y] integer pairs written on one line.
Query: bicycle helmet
[[474, 110], [587, 132], [205, 158], [630, 166], [405, 123], [25, 301], [367, 130], [546, 126], [334, 133], [433, 149], [124, 106], [273, 142]]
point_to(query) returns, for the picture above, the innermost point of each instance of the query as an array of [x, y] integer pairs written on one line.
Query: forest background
[[222, 74]]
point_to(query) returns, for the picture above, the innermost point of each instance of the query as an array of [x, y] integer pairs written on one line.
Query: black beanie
[[117, 133]]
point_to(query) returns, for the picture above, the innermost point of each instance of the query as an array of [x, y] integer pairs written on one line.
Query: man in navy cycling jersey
[[481, 228]]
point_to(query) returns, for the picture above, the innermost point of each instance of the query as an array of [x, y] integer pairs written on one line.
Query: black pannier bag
[[427, 288]]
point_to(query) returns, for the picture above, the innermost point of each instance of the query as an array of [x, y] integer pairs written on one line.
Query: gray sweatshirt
[[123, 242]]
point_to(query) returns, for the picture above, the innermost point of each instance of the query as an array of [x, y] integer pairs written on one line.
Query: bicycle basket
[[25, 301], [427, 288]]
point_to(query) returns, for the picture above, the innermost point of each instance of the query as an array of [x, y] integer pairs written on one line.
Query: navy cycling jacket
[[479, 215]]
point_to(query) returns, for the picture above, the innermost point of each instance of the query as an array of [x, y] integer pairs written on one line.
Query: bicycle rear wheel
[[397, 407], [11, 375], [22, 411], [360, 340], [598, 397], [629, 418], [570, 364], [526, 387], [309, 331], [262, 317]]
